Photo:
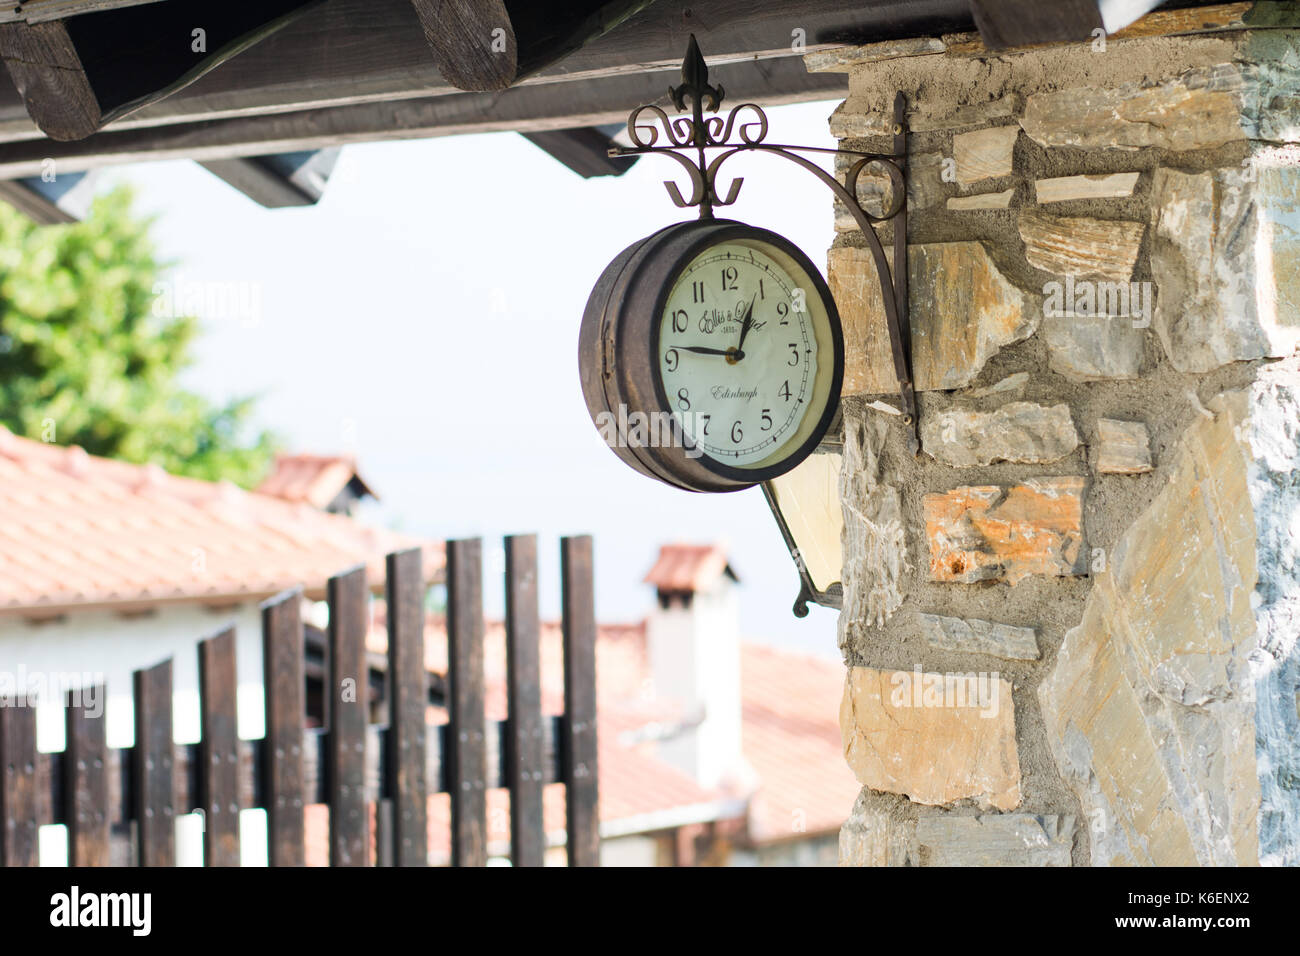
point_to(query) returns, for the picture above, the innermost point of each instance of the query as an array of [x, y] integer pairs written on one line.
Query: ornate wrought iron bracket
[[690, 140]]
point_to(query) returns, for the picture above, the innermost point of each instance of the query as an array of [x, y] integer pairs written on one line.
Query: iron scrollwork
[[701, 143]]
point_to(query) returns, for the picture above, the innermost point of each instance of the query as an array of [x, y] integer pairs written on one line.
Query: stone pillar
[[1071, 624]]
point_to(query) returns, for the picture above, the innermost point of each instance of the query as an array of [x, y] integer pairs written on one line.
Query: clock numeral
[[736, 433], [681, 320], [794, 355], [767, 419], [729, 276], [683, 400], [705, 419], [697, 291], [784, 390], [783, 310], [671, 357], [761, 293]]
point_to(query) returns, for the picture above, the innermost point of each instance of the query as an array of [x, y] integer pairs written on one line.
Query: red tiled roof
[[688, 567], [791, 737], [81, 531], [314, 479]]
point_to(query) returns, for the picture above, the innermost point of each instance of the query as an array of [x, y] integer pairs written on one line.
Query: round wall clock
[[711, 355]]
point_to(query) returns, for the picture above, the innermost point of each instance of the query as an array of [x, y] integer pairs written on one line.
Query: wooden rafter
[[484, 45], [349, 52], [522, 109], [76, 75]]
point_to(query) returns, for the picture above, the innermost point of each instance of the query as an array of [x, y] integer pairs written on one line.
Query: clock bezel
[[755, 234], [619, 344]]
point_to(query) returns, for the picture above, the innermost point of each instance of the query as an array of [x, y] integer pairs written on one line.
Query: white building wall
[[695, 658]]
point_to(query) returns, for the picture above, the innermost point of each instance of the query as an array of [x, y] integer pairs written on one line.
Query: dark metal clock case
[[618, 348]]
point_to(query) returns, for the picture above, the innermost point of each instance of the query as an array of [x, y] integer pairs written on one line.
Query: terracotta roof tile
[[78, 530], [688, 567], [314, 479]]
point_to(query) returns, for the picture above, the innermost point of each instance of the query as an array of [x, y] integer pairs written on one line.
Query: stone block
[[973, 636], [1150, 709], [1080, 245], [1089, 348], [962, 310], [1066, 188], [1002, 839], [1021, 432], [879, 832], [1000, 200], [874, 536], [1225, 256], [934, 738], [1124, 448], [984, 153], [993, 533]]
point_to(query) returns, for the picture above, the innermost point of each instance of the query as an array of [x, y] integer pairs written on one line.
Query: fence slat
[[579, 616], [524, 750], [218, 750], [18, 796], [467, 756], [85, 777], [409, 683], [282, 757], [151, 760], [349, 707]]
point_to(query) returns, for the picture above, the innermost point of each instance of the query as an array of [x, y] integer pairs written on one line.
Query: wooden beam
[[278, 182], [584, 150], [39, 11], [43, 62], [76, 75], [1008, 23], [522, 109], [484, 45], [364, 51]]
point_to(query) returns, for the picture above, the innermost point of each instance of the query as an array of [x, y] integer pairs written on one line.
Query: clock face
[[745, 353]]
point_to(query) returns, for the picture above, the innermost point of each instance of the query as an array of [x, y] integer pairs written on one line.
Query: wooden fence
[[120, 805]]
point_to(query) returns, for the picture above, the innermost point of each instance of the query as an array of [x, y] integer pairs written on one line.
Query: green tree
[[84, 359]]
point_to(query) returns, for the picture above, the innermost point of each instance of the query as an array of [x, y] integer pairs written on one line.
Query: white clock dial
[[743, 361]]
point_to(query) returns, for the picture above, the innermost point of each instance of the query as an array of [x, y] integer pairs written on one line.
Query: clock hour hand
[[746, 323]]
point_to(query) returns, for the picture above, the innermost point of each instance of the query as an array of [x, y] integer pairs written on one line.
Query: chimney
[[693, 638]]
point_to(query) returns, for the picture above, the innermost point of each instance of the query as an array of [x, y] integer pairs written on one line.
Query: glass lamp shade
[[806, 504]]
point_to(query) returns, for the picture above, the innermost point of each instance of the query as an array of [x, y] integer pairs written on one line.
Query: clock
[[711, 355]]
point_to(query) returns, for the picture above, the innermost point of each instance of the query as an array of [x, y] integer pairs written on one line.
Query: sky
[[424, 316]]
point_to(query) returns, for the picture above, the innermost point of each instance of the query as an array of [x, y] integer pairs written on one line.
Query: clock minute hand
[[745, 325]]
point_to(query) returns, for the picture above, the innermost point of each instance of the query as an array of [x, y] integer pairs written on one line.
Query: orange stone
[[990, 533]]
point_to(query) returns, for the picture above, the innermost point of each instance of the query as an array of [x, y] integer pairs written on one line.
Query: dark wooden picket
[[524, 745], [282, 747], [218, 771], [85, 779], [407, 838], [579, 745], [467, 759], [152, 758], [18, 794]]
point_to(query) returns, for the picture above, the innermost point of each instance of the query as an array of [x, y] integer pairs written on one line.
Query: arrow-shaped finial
[[695, 81]]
